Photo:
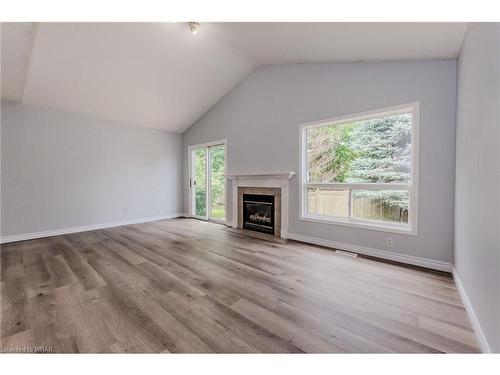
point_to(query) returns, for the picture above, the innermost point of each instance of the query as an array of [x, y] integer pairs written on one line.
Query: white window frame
[[412, 187], [191, 148]]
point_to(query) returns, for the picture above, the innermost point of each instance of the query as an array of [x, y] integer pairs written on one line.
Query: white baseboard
[[483, 344], [408, 259], [85, 228]]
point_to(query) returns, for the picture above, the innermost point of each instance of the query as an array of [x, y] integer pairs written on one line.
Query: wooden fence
[[328, 202], [336, 203]]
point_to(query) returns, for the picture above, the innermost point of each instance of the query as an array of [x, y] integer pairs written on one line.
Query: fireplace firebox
[[258, 213]]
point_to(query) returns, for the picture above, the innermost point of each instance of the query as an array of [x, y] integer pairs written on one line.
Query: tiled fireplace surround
[[276, 184], [276, 192]]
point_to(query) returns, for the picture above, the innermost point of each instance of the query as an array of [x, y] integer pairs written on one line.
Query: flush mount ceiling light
[[194, 26]]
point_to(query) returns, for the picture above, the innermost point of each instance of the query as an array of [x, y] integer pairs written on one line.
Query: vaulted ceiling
[[159, 75]]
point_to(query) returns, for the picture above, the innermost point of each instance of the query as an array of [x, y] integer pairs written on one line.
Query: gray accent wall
[[62, 170], [260, 119], [477, 210]]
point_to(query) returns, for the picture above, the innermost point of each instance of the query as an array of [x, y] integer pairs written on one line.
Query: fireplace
[[258, 213], [275, 188]]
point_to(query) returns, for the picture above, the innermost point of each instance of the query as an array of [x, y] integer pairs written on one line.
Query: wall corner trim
[[389, 255], [85, 228], [481, 338]]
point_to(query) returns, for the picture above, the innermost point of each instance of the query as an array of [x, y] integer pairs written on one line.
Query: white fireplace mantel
[[271, 180], [277, 175]]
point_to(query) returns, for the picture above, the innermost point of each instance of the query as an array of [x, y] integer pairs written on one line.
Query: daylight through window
[[362, 170]]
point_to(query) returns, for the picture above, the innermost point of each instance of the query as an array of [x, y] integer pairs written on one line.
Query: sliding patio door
[[208, 182]]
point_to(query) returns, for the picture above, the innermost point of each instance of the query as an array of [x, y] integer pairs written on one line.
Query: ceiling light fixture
[[194, 26]]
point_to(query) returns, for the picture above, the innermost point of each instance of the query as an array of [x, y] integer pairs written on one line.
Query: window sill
[[360, 224]]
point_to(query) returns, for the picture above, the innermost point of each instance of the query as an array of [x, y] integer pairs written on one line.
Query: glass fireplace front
[[258, 213]]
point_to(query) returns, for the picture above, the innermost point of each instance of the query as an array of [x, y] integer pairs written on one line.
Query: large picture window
[[362, 170]]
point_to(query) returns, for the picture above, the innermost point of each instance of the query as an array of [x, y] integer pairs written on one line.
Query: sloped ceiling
[[16, 47], [159, 75]]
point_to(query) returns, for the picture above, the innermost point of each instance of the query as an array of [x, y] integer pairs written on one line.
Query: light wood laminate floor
[[184, 285]]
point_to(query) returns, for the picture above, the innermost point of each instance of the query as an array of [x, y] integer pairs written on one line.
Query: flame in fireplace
[[260, 217]]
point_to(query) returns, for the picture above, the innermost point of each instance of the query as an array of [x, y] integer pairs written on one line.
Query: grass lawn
[[218, 212]]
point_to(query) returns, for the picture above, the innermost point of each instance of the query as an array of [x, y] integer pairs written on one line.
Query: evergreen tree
[[383, 155]]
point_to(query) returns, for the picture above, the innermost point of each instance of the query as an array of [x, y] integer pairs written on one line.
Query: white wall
[[61, 170], [260, 119], [477, 207]]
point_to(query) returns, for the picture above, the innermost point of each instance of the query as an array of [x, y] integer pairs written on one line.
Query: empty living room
[[214, 186]]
